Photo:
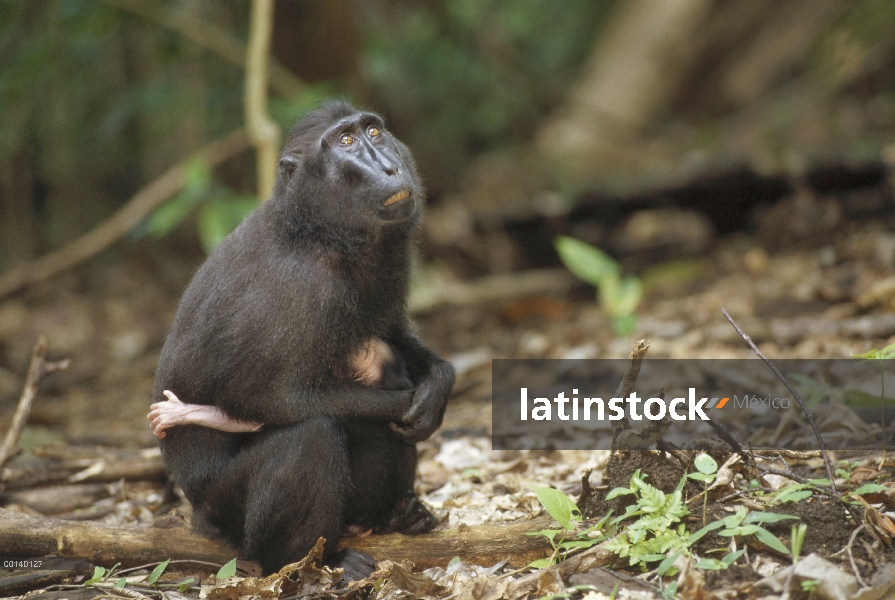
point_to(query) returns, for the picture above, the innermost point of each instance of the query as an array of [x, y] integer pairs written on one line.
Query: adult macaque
[[269, 332]]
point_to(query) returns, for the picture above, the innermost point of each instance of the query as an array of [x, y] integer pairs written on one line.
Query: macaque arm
[[434, 379], [340, 399], [171, 412]]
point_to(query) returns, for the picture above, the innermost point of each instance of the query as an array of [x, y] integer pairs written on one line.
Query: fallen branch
[[480, 544], [25, 536], [145, 465], [37, 370], [115, 227]]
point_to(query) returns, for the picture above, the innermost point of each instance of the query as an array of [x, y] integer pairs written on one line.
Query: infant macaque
[[372, 364]]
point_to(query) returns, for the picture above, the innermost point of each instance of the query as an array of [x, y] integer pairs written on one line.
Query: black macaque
[[268, 332]]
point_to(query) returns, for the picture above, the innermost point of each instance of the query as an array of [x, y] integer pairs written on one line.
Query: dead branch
[[626, 385], [145, 465], [112, 229], [208, 35], [262, 130], [801, 403], [37, 370], [479, 544], [25, 536]]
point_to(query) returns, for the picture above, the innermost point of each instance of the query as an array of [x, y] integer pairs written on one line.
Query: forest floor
[[830, 298]]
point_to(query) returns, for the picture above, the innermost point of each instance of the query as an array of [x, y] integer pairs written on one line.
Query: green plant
[[653, 534], [846, 472], [792, 493], [564, 510], [744, 523], [619, 295], [810, 586], [218, 209], [708, 470], [797, 539]]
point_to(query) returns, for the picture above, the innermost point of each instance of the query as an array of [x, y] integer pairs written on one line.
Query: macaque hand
[[429, 402], [169, 413]]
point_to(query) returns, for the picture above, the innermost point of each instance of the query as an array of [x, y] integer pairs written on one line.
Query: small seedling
[[708, 471], [564, 510], [619, 295]]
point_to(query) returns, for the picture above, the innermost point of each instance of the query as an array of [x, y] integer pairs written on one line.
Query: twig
[[808, 415], [37, 370], [851, 559], [626, 385], [263, 131], [115, 227]]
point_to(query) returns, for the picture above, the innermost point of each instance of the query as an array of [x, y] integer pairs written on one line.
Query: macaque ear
[[288, 164]]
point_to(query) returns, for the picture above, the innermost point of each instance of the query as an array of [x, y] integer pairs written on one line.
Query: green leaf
[[793, 493], [770, 540], [550, 534], [740, 530], [697, 535], [454, 561], [711, 563], [157, 572], [869, 488], [573, 544], [619, 491], [98, 573], [704, 477], [169, 215], [585, 261], [186, 584], [668, 563], [541, 563], [735, 519], [732, 557], [559, 506], [217, 219], [621, 296], [228, 570], [121, 583], [767, 517], [705, 464], [651, 499], [624, 325]]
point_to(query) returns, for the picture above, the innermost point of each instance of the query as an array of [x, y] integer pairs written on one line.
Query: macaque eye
[[347, 139], [373, 132]]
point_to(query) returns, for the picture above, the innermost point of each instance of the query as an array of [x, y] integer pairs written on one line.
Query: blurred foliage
[[96, 102], [459, 77]]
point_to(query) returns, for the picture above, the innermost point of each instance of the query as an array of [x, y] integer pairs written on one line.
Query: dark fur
[[264, 327]]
